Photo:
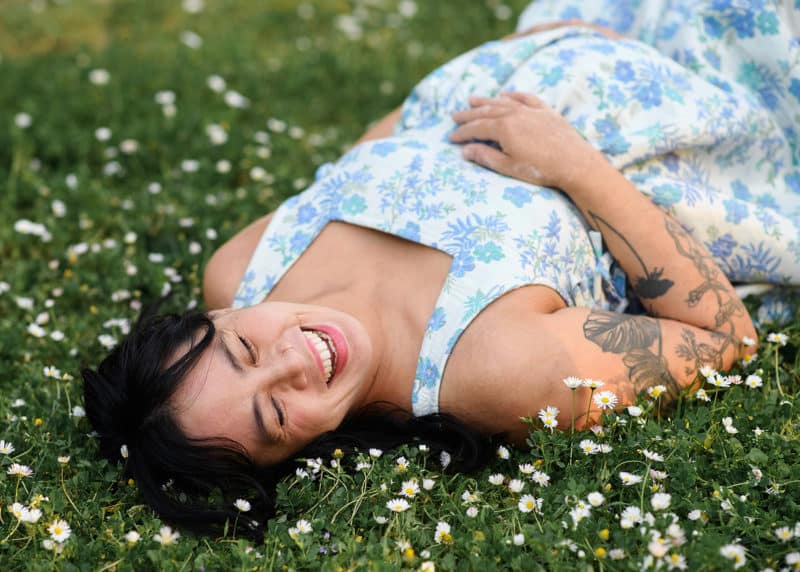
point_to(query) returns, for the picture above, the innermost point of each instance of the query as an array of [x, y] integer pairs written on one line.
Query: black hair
[[127, 403]]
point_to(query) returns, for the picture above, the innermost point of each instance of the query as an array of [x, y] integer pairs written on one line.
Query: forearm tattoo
[[638, 339]]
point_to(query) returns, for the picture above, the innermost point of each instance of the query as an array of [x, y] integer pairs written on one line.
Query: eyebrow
[[260, 422], [229, 354]]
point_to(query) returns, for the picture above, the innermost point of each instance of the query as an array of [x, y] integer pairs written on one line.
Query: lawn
[[135, 138]]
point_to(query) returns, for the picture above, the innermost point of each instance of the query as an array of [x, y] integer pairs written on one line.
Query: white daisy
[[652, 455], [753, 381], [398, 505], [409, 488], [573, 382], [781, 339], [59, 530], [734, 552], [132, 537], [19, 471], [6, 448], [629, 479], [605, 400], [727, 422], [592, 383], [516, 485], [660, 501], [442, 533], [497, 478], [502, 452], [528, 503], [242, 505], [166, 535], [304, 526], [540, 478], [656, 391], [595, 499]]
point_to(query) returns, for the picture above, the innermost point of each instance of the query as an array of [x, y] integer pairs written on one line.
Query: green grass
[[307, 73]]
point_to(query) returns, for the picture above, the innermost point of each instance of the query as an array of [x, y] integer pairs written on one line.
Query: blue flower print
[[767, 23], [794, 88], [299, 241], [667, 195], [712, 58], [519, 196], [740, 190], [383, 148], [410, 232], [488, 252], [427, 372], [306, 213], [462, 263], [623, 72], [553, 76], [612, 141], [793, 181], [438, 319], [735, 211], [354, 205], [616, 95], [713, 27], [649, 94], [672, 162], [723, 246]]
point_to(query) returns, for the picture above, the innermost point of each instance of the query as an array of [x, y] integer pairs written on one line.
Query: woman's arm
[[673, 275], [382, 128]]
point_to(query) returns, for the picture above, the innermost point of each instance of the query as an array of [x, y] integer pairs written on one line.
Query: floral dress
[[697, 113]]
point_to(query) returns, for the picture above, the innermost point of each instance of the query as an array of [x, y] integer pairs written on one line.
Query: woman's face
[[265, 383]]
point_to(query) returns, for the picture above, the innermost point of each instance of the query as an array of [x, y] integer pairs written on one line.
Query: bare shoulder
[[228, 264]]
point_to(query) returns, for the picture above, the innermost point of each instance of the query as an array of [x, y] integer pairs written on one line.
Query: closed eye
[[248, 346], [278, 411]]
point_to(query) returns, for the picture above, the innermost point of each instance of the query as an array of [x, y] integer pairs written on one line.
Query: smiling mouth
[[325, 350]]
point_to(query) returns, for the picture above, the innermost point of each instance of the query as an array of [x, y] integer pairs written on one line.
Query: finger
[[488, 157], [479, 100], [480, 129], [525, 98], [467, 115]]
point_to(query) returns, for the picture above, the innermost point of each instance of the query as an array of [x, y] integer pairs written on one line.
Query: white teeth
[[318, 341]]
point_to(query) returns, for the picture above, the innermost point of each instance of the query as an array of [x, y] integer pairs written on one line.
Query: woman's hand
[[537, 145]]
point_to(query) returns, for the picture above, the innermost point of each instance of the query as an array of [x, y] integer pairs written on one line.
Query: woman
[[435, 269]]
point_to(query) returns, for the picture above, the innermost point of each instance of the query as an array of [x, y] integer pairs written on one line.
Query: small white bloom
[[660, 501], [784, 533], [304, 526], [6, 447], [102, 133], [653, 456], [398, 505], [605, 400], [132, 537], [734, 552], [166, 535], [235, 99], [99, 76], [31, 515], [572, 382], [519, 539], [748, 342], [634, 410], [276, 125], [753, 381], [191, 39], [528, 503], [502, 452], [59, 530], [165, 97], [497, 479], [242, 505], [190, 165], [409, 488], [516, 485], [702, 395], [781, 339], [540, 478], [123, 451], [23, 120], [629, 479], [592, 383], [656, 391], [192, 6], [727, 422], [596, 499], [78, 411], [708, 372], [19, 471], [442, 533], [428, 484], [216, 134], [129, 146], [216, 83], [223, 166], [375, 453], [63, 459], [380, 519], [472, 512], [588, 447]]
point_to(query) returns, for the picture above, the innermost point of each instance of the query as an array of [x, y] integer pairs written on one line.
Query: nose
[[286, 370]]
